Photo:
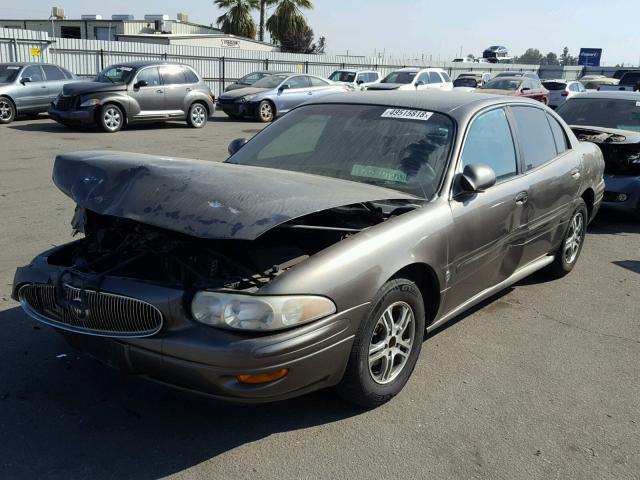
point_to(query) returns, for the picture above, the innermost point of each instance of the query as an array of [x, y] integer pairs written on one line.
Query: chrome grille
[[103, 314]]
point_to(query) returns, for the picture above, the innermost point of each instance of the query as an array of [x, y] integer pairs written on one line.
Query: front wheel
[[265, 111], [386, 346], [7, 110], [111, 118], [198, 115], [567, 256]]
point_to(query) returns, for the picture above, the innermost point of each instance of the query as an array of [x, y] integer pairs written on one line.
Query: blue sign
[[590, 57]]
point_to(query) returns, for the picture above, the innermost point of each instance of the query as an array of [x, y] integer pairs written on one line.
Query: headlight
[[92, 102], [253, 312], [55, 100], [246, 98]]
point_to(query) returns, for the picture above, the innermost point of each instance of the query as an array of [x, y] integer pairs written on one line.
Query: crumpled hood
[[241, 92], [609, 135], [83, 88], [202, 198]]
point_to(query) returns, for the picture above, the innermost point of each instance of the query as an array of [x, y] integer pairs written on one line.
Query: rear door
[[55, 78], [32, 96], [486, 240], [552, 171], [148, 94]]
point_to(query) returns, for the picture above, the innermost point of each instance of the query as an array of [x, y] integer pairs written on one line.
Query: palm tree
[[263, 13], [288, 17], [237, 20]]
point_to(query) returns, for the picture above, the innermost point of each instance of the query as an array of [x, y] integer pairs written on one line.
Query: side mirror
[[477, 177], [284, 86], [419, 82], [26, 80], [525, 89], [359, 82], [141, 83], [236, 145]]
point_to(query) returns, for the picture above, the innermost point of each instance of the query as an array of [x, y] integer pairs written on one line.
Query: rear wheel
[[386, 346], [111, 118], [265, 111], [7, 110], [567, 256], [198, 115]]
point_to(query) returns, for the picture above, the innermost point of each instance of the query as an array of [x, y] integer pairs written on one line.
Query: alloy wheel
[[391, 342], [112, 118], [266, 112], [6, 110], [574, 238], [198, 115]]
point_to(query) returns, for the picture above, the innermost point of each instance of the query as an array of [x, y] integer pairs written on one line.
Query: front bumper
[[86, 116], [237, 109], [615, 185], [201, 359]]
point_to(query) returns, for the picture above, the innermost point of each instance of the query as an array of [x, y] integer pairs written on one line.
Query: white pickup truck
[[629, 82]]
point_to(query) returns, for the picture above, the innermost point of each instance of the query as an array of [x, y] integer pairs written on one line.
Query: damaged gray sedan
[[321, 251]]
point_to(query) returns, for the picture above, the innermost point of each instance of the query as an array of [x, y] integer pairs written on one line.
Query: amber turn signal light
[[263, 377]]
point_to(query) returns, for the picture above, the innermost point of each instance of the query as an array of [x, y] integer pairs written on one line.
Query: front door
[[552, 170], [33, 95], [485, 244], [147, 93], [297, 93]]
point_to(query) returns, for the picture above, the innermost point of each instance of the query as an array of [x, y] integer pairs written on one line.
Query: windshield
[[465, 82], [551, 85], [510, 74], [602, 112], [502, 84], [8, 73], [402, 149], [119, 74], [399, 77], [343, 76], [270, 81]]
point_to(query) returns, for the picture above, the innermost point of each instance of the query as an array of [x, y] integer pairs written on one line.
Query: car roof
[[270, 72], [519, 78], [24, 64], [610, 95], [459, 105], [146, 63]]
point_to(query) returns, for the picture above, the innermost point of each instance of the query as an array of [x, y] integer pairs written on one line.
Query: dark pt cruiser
[[322, 250]]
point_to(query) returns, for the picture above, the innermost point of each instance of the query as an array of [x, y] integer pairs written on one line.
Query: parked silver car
[[28, 88], [319, 253], [250, 79], [276, 94], [136, 92]]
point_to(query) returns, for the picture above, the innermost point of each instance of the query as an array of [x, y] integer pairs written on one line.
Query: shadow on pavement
[[633, 265], [71, 417], [614, 223]]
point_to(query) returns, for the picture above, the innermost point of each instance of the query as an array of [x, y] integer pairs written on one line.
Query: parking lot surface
[[540, 382]]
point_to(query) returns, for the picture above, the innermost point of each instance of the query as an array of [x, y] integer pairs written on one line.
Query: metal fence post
[[15, 50], [101, 59], [306, 66], [222, 74], [266, 64]]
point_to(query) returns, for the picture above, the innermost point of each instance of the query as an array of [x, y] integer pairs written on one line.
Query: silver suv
[[28, 88], [136, 92]]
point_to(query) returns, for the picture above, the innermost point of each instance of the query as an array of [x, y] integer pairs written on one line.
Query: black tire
[[7, 110], [198, 115], [111, 118], [567, 255], [265, 111], [362, 379]]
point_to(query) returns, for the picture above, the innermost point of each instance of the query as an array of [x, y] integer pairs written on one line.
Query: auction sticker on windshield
[[404, 113], [380, 173]]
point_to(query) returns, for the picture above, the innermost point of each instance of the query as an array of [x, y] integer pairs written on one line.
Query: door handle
[[159, 91], [521, 198], [188, 89], [43, 86], [309, 93], [575, 173]]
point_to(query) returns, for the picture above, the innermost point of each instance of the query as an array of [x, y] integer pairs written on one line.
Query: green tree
[[288, 18], [302, 42], [552, 59], [237, 20], [531, 57], [566, 58]]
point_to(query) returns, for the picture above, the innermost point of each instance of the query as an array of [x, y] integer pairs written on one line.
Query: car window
[[490, 142], [8, 73], [446, 77], [553, 86], [298, 82], [317, 82], [434, 77], [190, 76], [623, 114], [52, 73], [341, 76], [399, 77], [172, 75], [150, 75], [67, 73], [34, 72], [117, 74], [536, 138], [559, 135], [423, 77], [252, 78]]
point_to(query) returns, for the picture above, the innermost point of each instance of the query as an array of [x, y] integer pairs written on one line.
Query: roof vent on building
[[57, 13], [90, 17], [122, 17], [183, 17], [153, 18]]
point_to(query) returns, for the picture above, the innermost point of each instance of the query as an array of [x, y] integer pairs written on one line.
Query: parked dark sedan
[[612, 121], [250, 79], [136, 92], [28, 88], [319, 253]]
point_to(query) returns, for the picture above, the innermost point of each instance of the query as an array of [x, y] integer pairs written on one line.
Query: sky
[[428, 29]]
